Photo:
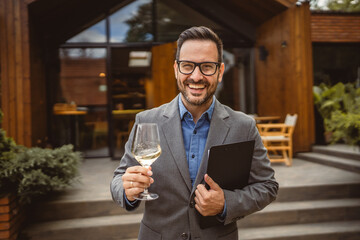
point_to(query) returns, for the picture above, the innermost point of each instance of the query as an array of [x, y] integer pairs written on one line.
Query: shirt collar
[[208, 112]]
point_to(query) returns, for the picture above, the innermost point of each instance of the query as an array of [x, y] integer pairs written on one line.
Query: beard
[[199, 101]]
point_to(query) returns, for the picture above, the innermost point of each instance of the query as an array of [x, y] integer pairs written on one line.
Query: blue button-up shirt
[[195, 136]]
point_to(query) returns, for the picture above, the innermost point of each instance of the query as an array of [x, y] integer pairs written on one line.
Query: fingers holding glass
[[146, 149]]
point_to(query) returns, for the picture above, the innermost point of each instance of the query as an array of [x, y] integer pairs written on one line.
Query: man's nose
[[196, 74]]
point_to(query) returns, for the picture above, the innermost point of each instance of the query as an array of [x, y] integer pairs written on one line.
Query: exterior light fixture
[[263, 53]]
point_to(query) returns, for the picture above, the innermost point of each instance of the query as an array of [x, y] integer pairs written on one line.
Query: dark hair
[[200, 33]]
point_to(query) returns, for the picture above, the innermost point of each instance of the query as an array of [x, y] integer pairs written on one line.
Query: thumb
[[212, 184]]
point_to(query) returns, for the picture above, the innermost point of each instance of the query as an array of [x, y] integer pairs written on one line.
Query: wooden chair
[[122, 136], [277, 138], [100, 130]]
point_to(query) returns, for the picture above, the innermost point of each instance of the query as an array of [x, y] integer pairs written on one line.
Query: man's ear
[[175, 69], [221, 72]]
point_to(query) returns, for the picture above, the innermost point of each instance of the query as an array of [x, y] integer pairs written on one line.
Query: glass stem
[[146, 189]]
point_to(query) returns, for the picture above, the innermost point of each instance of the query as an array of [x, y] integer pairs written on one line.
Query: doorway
[[135, 73], [130, 69]]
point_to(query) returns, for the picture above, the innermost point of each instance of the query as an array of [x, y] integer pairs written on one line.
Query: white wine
[[147, 156], [146, 149]]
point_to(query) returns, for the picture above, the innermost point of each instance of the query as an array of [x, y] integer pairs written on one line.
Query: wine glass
[[146, 149]]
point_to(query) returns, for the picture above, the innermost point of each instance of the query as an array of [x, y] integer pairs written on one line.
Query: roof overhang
[[59, 20]]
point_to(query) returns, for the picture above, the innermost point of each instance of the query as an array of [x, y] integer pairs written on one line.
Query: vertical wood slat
[[3, 62], [7, 66], [15, 70], [19, 93], [284, 80], [163, 78]]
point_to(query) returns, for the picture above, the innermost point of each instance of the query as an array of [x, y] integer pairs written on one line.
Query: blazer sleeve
[[116, 185], [262, 188]]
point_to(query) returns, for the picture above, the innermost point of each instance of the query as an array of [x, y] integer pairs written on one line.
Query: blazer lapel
[[174, 138], [216, 136]]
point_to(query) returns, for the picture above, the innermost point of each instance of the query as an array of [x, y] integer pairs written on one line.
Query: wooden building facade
[[31, 32]]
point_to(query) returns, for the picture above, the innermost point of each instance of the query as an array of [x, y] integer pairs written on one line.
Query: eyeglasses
[[206, 68]]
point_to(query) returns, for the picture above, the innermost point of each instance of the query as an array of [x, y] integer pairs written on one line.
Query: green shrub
[[339, 106], [33, 172]]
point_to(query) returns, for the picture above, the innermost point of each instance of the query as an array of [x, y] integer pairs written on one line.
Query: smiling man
[[198, 74], [189, 125]]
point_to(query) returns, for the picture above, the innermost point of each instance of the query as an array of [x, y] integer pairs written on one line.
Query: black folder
[[229, 166]]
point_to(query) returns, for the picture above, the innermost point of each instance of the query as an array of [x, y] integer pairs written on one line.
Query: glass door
[[80, 108], [130, 72]]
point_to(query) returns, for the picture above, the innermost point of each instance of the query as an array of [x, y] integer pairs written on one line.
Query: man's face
[[196, 88]]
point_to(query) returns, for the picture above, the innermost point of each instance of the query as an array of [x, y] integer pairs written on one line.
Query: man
[[189, 125]]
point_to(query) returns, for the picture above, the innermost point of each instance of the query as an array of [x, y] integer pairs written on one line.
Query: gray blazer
[[172, 215]]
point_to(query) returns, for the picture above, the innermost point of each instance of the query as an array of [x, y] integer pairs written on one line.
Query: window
[[132, 23], [94, 34]]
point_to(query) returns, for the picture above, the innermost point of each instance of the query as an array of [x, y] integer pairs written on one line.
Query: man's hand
[[209, 202], [135, 180]]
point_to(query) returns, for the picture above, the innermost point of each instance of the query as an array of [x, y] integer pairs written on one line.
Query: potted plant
[[29, 173], [339, 106]]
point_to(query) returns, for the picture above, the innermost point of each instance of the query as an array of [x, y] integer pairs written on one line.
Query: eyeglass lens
[[206, 68]]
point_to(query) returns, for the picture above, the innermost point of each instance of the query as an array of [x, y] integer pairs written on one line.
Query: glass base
[[147, 196]]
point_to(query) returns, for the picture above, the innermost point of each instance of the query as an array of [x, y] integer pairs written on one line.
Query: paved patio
[[96, 175]]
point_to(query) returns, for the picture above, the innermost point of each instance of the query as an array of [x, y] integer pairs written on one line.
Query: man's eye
[[208, 66], [187, 66]]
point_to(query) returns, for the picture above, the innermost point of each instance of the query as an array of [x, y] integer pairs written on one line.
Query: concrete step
[[126, 226], [318, 192], [104, 228], [68, 209], [284, 213], [339, 150], [80, 208], [333, 161], [344, 230]]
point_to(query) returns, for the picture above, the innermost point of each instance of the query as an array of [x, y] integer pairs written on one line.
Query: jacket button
[[184, 236], [192, 204]]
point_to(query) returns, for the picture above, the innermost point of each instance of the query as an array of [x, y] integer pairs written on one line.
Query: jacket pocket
[[146, 233]]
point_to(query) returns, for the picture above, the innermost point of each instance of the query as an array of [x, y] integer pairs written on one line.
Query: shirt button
[[184, 236], [193, 156]]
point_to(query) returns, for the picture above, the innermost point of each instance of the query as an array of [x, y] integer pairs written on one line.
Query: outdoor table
[[128, 114]]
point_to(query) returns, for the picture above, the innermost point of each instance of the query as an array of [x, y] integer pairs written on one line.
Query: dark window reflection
[[173, 17]]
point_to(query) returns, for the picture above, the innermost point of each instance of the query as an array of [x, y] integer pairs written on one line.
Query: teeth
[[197, 86]]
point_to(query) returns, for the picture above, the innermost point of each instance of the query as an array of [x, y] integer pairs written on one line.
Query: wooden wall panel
[[284, 80], [162, 87], [15, 70]]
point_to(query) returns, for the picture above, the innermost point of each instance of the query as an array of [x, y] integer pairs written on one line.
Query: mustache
[[191, 81]]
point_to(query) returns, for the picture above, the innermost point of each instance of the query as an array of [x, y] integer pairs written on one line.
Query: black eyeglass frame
[[198, 65]]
